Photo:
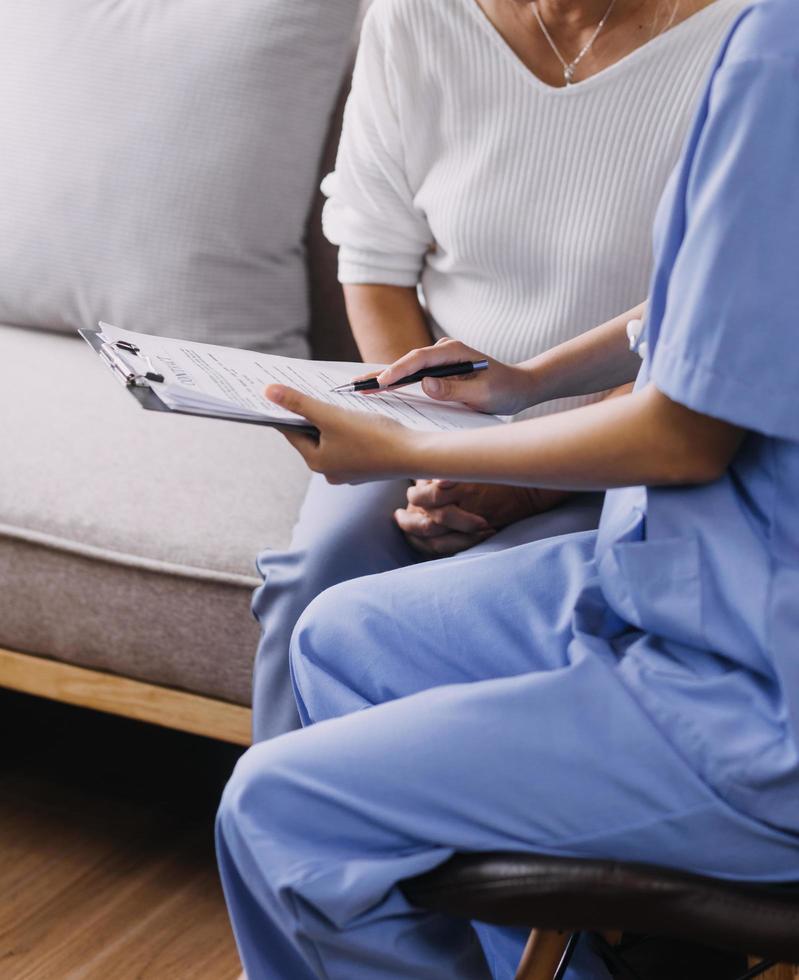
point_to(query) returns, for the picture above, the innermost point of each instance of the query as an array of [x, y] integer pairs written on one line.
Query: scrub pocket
[[656, 585]]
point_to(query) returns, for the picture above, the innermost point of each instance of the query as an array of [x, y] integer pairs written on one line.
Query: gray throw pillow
[[158, 162]]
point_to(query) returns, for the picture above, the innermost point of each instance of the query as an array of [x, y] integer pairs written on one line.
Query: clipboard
[[148, 400], [145, 396]]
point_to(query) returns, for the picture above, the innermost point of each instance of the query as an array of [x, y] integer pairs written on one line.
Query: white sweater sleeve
[[370, 212]]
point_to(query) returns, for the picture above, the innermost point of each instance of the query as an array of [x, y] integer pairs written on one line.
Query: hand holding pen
[[451, 371], [458, 369]]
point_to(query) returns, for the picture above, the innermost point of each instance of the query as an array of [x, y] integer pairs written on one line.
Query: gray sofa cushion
[[128, 538], [159, 160]]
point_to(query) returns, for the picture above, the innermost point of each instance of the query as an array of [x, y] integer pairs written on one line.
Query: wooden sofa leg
[[542, 954]]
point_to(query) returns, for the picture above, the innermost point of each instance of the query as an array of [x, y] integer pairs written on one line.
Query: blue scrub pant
[[455, 705], [342, 533]]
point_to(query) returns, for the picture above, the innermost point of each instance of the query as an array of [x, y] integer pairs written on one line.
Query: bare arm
[[386, 321], [639, 438], [598, 360]]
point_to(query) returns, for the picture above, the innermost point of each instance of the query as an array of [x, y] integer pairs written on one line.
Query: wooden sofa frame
[[117, 695]]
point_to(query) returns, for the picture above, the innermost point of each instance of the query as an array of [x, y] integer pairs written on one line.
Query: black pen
[[440, 371]]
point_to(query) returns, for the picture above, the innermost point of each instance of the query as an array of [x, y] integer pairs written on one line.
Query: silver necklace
[[569, 67]]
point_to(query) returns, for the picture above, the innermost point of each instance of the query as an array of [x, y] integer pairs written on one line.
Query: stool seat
[[572, 894]]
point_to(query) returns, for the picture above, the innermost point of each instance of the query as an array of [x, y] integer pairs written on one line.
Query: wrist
[[412, 453], [540, 380], [515, 395], [510, 389]]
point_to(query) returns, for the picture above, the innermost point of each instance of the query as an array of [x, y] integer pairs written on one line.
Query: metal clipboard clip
[[114, 356]]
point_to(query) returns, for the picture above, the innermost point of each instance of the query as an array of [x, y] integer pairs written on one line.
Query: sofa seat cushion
[[128, 538]]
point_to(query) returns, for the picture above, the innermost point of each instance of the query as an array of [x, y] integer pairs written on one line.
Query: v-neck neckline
[[568, 91]]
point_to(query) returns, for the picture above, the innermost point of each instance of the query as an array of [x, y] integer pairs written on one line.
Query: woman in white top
[[506, 157]]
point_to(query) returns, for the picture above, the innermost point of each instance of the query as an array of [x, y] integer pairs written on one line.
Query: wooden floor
[[106, 858], [106, 854]]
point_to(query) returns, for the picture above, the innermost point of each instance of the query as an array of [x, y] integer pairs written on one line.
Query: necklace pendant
[[569, 67]]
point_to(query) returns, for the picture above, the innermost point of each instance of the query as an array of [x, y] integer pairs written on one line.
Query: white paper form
[[226, 382]]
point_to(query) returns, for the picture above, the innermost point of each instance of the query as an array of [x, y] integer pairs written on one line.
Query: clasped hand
[[444, 517]]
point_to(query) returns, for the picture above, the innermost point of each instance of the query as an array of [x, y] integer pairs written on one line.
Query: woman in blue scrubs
[[631, 693]]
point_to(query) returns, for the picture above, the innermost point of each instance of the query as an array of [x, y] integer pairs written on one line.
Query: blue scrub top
[[709, 575]]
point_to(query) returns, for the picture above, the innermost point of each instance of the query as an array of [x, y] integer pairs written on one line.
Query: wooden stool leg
[[542, 954], [780, 972]]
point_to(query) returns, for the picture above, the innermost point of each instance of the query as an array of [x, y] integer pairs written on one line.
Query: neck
[[577, 15]]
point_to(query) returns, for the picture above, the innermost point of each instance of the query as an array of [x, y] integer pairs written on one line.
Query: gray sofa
[[128, 538]]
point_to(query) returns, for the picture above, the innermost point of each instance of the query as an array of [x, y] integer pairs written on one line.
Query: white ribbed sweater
[[525, 211]]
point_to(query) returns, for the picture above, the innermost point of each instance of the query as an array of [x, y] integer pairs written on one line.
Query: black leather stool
[[558, 898]]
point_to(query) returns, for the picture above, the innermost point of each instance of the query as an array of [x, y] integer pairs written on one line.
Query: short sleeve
[[370, 212], [728, 339]]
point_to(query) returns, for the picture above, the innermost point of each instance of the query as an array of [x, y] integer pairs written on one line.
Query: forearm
[[597, 360], [386, 321], [638, 438]]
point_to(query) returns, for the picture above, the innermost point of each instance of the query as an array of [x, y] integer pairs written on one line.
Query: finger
[[422, 545], [440, 483], [456, 519], [418, 523], [432, 495], [312, 409], [420, 485], [366, 377], [441, 520], [445, 352], [448, 389], [304, 443]]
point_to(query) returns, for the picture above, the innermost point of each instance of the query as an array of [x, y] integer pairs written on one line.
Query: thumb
[[295, 401], [442, 389]]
